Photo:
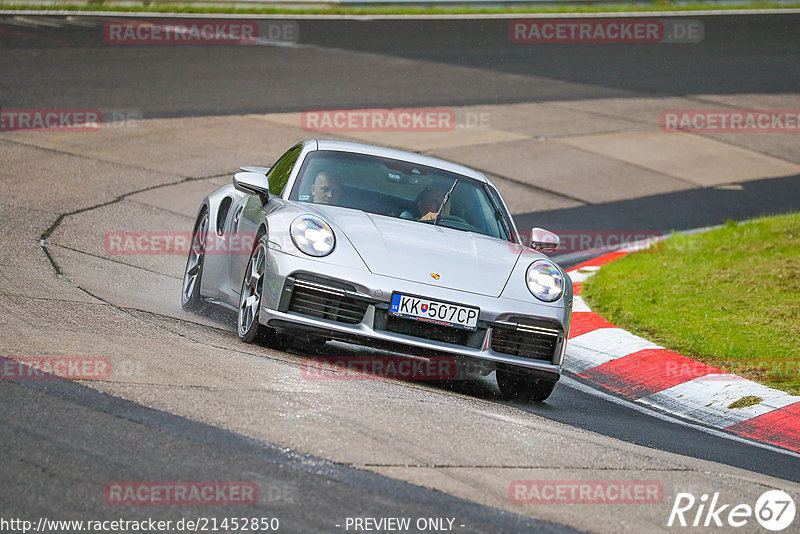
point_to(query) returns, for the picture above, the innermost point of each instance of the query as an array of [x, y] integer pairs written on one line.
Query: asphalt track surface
[[95, 438], [73, 66], [456, 62], [56, 465]]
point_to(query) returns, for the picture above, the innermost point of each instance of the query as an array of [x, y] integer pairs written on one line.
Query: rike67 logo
[[774, 510]]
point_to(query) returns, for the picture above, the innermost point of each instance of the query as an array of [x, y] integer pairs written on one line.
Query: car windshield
[[401, 189]]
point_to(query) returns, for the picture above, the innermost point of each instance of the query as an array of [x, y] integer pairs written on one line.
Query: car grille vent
[[526, 341], [433, 332], [325, 302]]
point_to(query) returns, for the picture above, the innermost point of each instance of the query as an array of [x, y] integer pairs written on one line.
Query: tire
[[190, 294], [524, 385], [247, 325]]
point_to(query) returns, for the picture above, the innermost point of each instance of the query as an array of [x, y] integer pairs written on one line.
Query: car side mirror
[[251, 168], [544, 240], [252, 183]]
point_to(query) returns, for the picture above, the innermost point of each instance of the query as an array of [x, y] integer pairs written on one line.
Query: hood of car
[[428, 254]]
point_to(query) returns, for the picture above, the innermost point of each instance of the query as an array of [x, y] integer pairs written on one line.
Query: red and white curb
[[633, 367]]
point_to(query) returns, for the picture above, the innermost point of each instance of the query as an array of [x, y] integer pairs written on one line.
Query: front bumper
[[352, 305]]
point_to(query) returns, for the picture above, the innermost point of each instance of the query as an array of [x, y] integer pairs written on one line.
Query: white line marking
[[706, 399], [80, 21], [33, 22], [574, 384], [585, 352], [579, 305], [582, 274]]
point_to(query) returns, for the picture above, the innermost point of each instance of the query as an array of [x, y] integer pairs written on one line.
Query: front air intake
[[526, 341], [326, 302]]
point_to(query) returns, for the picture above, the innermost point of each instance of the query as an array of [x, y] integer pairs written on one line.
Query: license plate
[[434, 311]]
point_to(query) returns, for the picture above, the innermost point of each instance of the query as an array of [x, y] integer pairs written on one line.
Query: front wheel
[[190, 294], [526, 385], [248, 327]]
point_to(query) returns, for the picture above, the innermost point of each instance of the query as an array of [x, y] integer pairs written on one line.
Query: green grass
[[728, 297], [155, 7]]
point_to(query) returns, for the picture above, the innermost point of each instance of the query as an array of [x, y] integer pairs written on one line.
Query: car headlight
[[312, 235], [545, 280]]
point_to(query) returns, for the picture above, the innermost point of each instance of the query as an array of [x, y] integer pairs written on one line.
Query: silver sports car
[[375, 246]]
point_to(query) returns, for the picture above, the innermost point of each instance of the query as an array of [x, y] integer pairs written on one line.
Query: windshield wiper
[[498, 214], [444, 201]]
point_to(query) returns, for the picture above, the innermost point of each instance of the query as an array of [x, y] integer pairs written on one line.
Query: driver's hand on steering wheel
[[430, 216]]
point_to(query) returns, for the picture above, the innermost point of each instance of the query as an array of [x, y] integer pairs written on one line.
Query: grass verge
[[728, 297], [155, 7]]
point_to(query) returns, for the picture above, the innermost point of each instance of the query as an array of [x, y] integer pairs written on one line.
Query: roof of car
[[413, 157]]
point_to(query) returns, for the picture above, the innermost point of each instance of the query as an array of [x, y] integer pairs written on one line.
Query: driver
[[427, 204], [327, 188]]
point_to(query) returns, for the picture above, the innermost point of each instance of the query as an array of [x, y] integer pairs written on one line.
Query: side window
[[280, 172]]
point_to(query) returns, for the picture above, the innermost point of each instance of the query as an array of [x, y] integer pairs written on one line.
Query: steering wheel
[[455, 219], [458, 223]]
